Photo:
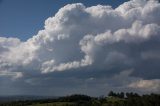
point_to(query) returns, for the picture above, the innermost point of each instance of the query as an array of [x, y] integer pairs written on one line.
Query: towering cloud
[[99, 41]]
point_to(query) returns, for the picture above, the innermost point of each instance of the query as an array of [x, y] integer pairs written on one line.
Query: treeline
[[131, 99], [123, 95], [113, 99]]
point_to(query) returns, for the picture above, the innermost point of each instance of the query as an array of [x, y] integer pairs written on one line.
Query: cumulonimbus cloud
[[98, 37], [76, 31]]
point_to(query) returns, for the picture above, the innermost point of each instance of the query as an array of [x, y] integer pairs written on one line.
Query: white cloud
[[59, 41], [137, 33], [92, 38], [147, 85], [14, 75], [48, 66]]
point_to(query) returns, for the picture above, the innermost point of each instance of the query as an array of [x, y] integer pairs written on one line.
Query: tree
[[111, 93], [121, 95]]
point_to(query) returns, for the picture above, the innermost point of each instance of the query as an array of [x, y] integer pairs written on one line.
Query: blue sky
[[24, 18]]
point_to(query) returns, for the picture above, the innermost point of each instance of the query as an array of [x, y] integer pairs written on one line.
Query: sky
[[31, 14], [54, 48]]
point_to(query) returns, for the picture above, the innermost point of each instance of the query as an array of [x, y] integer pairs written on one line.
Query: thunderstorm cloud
[[87, 50]]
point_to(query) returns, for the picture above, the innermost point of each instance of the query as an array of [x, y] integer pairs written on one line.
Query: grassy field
[[111, 100]]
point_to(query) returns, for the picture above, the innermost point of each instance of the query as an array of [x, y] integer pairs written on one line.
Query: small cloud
[[147, 85], [13, 75]]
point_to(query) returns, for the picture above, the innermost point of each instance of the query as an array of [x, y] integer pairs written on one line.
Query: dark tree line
[[123, 95], [134, 99]]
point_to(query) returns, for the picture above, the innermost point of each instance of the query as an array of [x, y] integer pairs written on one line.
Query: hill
[[113, 99]]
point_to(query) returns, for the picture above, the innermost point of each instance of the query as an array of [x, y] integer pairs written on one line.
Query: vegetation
[[113, 99]]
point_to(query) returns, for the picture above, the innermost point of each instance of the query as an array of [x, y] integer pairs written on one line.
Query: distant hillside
[[23, 98], [113, 99]]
